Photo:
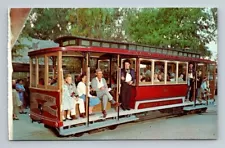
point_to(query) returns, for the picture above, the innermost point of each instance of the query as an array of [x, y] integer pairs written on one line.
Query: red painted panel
[[160, 103], [160, 91], [49, 100], [141, 93]]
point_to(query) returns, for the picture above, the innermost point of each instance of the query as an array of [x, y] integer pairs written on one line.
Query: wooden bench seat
[[97, 108]]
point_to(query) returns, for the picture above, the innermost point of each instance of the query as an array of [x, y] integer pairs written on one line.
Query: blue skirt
[[92, 101]]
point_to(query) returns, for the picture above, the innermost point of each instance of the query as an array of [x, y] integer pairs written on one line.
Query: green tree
[[47, 23], [184, 28], [93, 22], [43, 24]]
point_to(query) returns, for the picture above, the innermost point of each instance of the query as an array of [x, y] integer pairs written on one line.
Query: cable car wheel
[[203, 110], [112, 127], [46, 126], [78, 134]]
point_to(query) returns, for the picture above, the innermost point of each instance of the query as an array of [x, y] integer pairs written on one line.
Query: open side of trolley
[[76, 55]]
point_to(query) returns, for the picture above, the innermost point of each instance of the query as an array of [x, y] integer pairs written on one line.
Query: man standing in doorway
[[191, 78], [128, 79]]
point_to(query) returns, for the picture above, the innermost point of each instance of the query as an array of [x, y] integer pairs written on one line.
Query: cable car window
[[104, 65], [114, 45], [171, 72], [132, 47], [170, 52], [72, 42], [41, 68], [153, 50], [71, 65], [65, 43], [96, 44], [159, 50], [52, 70], [105, 44], [122, 46], [164, 51], [140, 48], [159, 72], [146, 49], [182, 72], [145, 72], [175, 53], [33, 72], [85, 43]]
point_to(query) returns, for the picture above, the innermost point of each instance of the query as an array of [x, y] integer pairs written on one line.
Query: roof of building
[[35, 44]]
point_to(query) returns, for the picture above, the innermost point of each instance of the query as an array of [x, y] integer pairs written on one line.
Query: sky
[[213, 48]]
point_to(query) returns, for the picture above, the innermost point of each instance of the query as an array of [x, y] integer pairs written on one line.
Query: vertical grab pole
[[118, 85], [195, 85], [60, 82], [87, 88]]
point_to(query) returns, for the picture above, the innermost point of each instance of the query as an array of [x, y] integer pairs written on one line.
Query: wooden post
[[153, 71], [195, 85], [37, 71], [214, 84], [165, 72], [46, 72], [186, 73], [31, 71], [177, 69], [87, 88], [137, 71], [110, 71], [60, 82], [118, 85]]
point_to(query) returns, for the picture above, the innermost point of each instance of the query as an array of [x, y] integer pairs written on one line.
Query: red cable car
[[161, 81]]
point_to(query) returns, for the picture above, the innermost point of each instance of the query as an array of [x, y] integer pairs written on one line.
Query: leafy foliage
[[186, 28], [47, 23]]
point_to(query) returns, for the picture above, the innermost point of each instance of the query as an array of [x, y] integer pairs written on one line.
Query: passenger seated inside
[[156, 78], [172, 77], [81, 89], [54, 82], [100, 86], [142, 78], [181, 78], [160, 77], [70, 99]]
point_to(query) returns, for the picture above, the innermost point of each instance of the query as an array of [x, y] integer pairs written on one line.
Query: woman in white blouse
[[81, 88]]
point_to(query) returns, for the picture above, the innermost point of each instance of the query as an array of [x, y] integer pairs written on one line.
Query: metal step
[[108, 122], [189, 108]]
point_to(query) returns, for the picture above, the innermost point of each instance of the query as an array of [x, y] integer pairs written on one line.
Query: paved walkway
[[186, 127]]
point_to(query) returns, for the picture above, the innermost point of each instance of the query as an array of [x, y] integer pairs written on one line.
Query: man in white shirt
[[127, 81], [191, 77], [99, 85]]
